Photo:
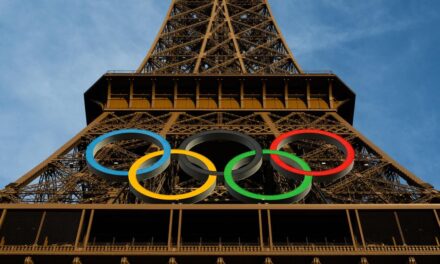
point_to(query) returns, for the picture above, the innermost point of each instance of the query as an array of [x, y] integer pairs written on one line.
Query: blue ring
[[145, 173]]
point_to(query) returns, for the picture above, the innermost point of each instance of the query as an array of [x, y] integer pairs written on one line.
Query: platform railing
[[220, 248]]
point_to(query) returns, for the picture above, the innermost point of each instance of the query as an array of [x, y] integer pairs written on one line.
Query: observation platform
[[130, 91]]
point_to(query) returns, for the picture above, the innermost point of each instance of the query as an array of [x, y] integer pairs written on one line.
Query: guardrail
[[304, 250], [311, 72]]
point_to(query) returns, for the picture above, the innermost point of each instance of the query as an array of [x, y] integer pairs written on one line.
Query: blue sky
[[387, 51]]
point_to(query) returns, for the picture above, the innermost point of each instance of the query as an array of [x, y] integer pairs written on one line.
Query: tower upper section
[[219, 55], [218, 37]]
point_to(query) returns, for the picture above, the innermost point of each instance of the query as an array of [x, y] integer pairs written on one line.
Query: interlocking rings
[[240, 173], [239, 168]]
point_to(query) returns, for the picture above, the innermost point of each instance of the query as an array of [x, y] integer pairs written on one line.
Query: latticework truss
[[239, 39], [219, 37], [219, 65], [65, 178]]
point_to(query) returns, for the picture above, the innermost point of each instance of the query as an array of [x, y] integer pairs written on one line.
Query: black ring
[[248, 166]]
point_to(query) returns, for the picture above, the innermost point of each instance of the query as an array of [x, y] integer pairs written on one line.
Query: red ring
[[350, 153]]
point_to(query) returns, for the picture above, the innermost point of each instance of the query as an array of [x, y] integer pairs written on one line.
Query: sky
[[387, 51]]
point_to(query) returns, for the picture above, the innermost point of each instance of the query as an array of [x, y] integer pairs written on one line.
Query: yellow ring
[[194, 196]]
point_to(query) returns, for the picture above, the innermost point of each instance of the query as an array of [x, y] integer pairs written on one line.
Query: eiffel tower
[[219, 65]]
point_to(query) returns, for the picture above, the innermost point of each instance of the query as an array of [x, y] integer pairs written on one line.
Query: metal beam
[[410, 176], [89, 228], [170, 230], [361, 231], [40, 227], [31, 175], [207, 35], [350, 225], [80, 228]]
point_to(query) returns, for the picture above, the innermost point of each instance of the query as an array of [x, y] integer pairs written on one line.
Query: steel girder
[[65, 178], [219, 36]]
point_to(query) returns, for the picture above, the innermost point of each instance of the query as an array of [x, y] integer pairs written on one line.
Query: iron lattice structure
[[219, 64], [208, 47], [220, 36], [65, 178]]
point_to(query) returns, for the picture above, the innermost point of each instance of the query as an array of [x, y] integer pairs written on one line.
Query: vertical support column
[[153, 93], [308, 94], [179, 230], [273, 128], [241, 93], [264, 93], [435, 214], [269, 223], [198, 93], [350, 225], [234, 38], [399, 226], [286, 93], [3, 217], [208, 34], [109, 91], [175, 92], [361, 232], [131, 93], [80, 227], [170, 231], [437, 218], [331, 99], [89, 228], [40, 227], [260, 223], [219, 93], [171, 121]]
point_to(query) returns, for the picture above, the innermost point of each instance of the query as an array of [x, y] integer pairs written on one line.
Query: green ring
[[292, 196]]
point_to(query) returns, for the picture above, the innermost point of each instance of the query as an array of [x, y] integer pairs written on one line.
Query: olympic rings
[[241, 194], [145, 173], [186, 163], [326, 175], [240, 167], [191, 197]]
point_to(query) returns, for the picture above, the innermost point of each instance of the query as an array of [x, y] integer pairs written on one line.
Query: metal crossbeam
[[65, 178], [219, 36]]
